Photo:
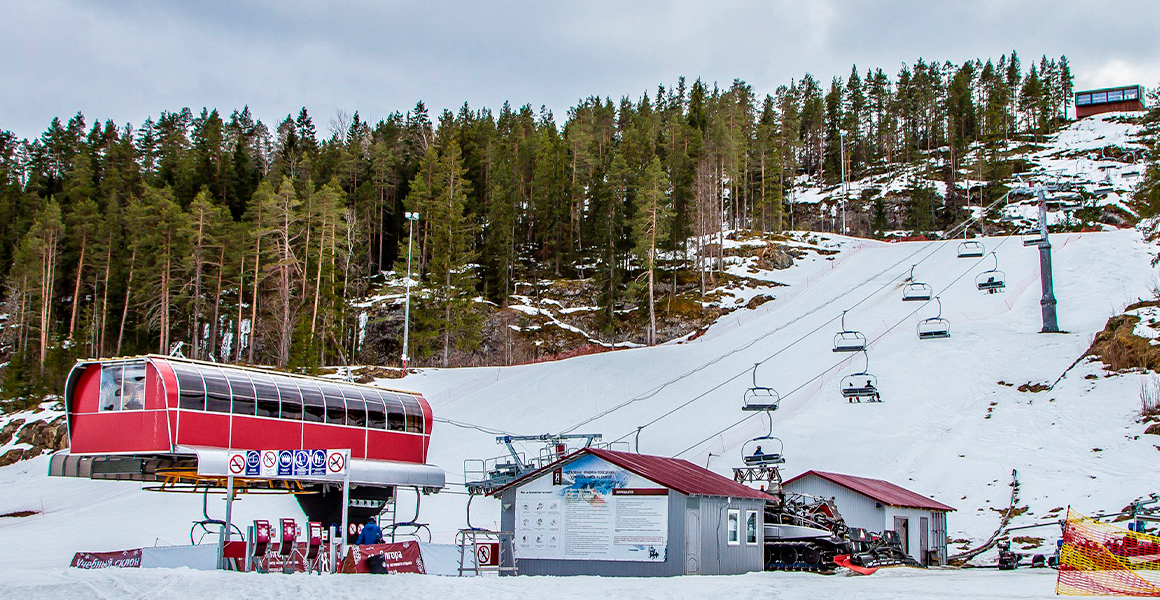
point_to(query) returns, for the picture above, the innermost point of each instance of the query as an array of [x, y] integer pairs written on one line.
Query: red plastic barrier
[[401, 557], [274, 560]]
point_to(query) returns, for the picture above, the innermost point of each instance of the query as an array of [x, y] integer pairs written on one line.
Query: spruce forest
[[255, 243]]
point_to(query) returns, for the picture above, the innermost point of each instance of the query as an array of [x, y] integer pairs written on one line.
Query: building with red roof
[[604, 512], [878, 505]]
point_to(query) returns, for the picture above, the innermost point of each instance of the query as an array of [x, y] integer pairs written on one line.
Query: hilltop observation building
[[1118, 99]]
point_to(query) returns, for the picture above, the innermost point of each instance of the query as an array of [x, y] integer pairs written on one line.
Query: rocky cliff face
[[29, 437]]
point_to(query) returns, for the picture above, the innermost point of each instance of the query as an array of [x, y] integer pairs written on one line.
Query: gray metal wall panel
[[507, 510], [856, 509], [913, 515], [860, 511], [717, 556]]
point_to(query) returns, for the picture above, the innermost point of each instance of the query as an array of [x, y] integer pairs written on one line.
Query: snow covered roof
[[878, 489], [674, 473]]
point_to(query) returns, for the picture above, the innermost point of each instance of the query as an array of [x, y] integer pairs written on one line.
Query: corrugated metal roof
[[878, 489], [674, 473]]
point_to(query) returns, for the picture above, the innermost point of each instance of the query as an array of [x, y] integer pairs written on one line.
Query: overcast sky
[[127, 60]]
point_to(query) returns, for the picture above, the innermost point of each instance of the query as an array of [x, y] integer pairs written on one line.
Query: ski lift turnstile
[[258, 541], [491, 552]]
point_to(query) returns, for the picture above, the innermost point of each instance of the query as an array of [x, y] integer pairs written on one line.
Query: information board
[[591, 509]]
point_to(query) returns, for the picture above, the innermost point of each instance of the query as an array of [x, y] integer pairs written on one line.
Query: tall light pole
[[411, 218], [842, 149]]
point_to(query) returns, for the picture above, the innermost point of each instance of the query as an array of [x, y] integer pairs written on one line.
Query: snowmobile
[[1008, 560]]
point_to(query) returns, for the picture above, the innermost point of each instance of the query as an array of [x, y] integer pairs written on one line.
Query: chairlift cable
[[751, 343], [772, 356], [950, 236], [819, 375], [464, 425]]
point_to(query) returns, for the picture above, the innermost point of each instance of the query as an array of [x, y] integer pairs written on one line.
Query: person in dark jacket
[[371, 534]]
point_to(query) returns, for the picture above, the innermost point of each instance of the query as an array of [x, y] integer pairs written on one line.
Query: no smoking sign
[[237, 464]]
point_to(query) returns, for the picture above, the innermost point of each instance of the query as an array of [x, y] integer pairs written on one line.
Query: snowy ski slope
[[931, 433]]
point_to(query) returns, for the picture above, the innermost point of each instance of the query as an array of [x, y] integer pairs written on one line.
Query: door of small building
[[902, 526], [924, 540], [692, 540]]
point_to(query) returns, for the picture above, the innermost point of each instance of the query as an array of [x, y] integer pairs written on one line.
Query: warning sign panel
[[487, 554], [336, 461], [281, 464], [237, 463]]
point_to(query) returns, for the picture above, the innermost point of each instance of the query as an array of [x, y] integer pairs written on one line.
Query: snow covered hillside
[[947, 426], [953, 423], [1100, 158]]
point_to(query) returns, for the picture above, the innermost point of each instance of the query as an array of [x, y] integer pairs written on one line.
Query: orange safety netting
[[1098, 559]]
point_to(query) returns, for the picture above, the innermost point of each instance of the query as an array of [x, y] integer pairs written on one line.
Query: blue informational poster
[[253, 463], [301, 462], [285, 463], [318, 462]]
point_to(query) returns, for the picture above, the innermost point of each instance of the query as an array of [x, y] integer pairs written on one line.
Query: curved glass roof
[[221, 388]]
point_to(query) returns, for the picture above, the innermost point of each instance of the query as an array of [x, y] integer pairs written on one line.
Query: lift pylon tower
[[1047, 302]]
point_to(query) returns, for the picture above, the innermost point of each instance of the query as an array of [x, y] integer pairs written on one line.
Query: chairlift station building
[[604, 512], [877, 505]]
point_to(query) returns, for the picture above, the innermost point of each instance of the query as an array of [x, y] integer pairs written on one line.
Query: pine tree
[[446, 317], [210, 237], [162, 231], [280, 217], [83, 222], [650, 228], [37, 263]]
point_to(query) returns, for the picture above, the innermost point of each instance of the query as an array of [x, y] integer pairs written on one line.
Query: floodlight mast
[[411, 218], [845, 191]]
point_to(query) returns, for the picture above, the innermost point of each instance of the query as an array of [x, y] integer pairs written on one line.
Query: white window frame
[[752, 514], [733, 527]]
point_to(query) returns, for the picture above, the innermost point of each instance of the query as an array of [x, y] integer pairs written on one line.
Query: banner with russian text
[[105, 560], [399, 557]]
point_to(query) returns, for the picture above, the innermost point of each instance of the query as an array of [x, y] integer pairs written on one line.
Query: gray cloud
[[127, 60]]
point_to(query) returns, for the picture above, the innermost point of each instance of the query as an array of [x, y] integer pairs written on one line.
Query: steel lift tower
[[1047, 302]]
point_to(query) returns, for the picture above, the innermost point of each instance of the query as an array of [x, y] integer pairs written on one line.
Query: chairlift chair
[[991, 280], [848, 340], [758, 398], [857, 386], [1034, 238], [935, 327], [915, 291], [970, 248], [762, 451]]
